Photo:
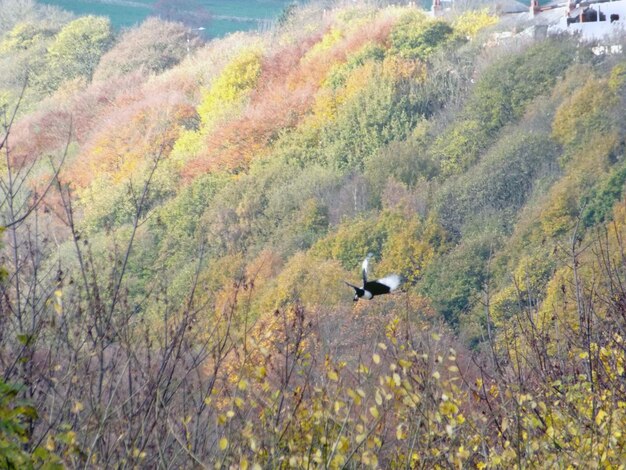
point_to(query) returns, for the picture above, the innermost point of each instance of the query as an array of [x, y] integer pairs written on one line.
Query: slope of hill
[[180, 221]]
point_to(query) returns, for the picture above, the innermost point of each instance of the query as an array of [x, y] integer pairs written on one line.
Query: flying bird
[[373, 288]]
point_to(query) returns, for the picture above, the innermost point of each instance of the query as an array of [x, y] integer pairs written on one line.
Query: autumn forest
[[179, 217]]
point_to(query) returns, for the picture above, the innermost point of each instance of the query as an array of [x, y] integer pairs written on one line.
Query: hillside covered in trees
[[179, 218]]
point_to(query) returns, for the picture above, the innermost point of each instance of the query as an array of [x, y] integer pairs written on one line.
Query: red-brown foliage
[[47, 131], [37, 134]]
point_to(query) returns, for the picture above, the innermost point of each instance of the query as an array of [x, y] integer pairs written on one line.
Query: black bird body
[[370, 289]]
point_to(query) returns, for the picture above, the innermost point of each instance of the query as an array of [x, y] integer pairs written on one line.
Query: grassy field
[[228, 15]]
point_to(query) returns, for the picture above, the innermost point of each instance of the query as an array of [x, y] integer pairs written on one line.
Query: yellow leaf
[[396, 379], [243, 384], [223, 443], [463, 453], [378, 398], [376, 358], [50, 443], [355, 397], [374, 412], [401, 432], [332, 375]]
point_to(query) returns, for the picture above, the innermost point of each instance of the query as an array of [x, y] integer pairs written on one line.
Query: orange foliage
[[129, 135], [286, 92]]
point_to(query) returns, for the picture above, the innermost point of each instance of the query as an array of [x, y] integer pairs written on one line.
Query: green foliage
[[617, 78], [377, 115], [453, 282], [500, 96], [176, 223], [298, 209], [76, 50], [458, 148], [406, 162], [23, 57], [472, 22], [181, 214], [277, 203], [526, 286], [504, 89], [237, 79], [587, 113], [107, 204], [292, 285], [25, 36], [404, 244], [353, 240], [500, 183], [14, 434], [416, 37], [338, 76], [598, 205]]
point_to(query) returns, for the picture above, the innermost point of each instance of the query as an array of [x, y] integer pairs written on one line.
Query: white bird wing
[[364, 267], [392, 281]]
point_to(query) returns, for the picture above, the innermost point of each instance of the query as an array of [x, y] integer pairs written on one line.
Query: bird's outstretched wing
[[364, 267], [392, 281]]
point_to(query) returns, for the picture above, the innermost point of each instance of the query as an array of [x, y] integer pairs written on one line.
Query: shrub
[[152, 47], [14, 435], [416, 37], [76, 51], [501, 182]]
